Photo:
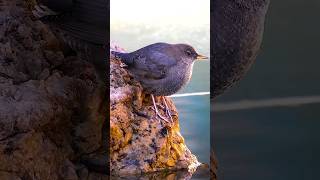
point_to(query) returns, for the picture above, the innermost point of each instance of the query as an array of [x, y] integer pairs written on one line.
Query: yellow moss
[[178, 150], [175, 127], [127, 137], [116, 133], [171, 177], [162, 159], [162, 156], [172, 150], [171, 162]]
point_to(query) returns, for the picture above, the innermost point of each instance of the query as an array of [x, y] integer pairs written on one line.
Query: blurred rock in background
[[52, 106]]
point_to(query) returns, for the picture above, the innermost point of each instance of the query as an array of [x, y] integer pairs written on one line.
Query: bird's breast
[[179, 77]]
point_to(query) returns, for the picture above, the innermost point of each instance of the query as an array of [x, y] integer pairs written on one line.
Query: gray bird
[[161, 68]]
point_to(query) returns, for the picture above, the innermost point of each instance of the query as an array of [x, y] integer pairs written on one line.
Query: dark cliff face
[[51, 105], [236, 34]]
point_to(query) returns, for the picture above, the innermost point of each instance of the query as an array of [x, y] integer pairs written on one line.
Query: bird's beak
[[201, 57]]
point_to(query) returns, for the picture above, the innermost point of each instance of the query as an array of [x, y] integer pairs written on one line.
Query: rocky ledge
[[139, 141]]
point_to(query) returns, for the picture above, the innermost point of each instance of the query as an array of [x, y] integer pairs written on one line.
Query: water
[[275, 142], [144, 22]]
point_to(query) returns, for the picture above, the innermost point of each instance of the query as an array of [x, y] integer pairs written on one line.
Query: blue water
[[268, 143]]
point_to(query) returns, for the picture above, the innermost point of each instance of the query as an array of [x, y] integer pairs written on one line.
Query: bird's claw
[[168, 112], [158, 115], [163, 118], [161, 106]]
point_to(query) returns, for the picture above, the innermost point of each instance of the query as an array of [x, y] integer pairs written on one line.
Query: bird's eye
[[188, 52]]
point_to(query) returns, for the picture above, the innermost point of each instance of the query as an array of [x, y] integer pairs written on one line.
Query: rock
[[139, 141], [51, 105], [9, 176]]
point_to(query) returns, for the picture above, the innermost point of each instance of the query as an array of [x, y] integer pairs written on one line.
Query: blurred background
[[267, 126], [135, 24]]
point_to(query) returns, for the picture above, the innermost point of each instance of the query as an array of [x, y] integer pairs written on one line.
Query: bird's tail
[[124, 57]]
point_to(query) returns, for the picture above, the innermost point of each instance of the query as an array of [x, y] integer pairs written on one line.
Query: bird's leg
[[167, 108], [156, 109], [161, 106]]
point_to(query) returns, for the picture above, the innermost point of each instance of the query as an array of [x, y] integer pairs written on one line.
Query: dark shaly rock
[[50, 112]]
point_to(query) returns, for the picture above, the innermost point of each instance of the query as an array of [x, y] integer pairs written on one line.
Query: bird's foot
[[157, 111], [162, 118], [167, 109], [161, 106]]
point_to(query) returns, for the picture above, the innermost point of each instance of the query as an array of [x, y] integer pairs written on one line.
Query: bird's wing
[[154, 65], [162, 59]]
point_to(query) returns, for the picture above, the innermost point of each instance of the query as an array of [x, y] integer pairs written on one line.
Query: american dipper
[[81, 25], [161, 68]]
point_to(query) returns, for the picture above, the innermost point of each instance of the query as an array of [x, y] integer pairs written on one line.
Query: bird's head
[[188, 53]]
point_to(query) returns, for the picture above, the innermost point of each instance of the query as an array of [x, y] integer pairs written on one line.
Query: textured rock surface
[[51, 108], [139, 141]]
